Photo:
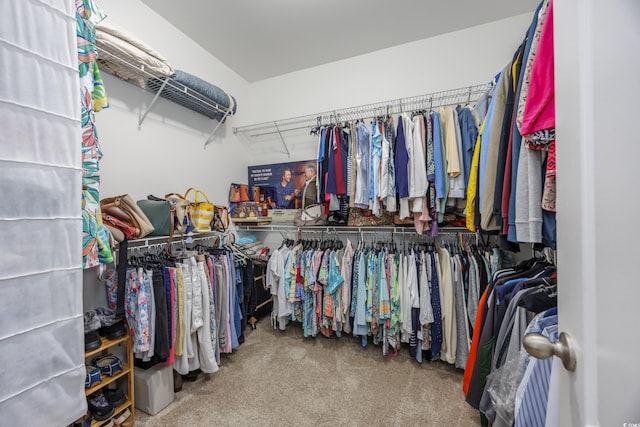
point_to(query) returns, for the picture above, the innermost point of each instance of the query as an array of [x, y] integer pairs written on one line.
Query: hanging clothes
[[95, 236], [362, 166], [184, 311], [500, 323], [418, 296]]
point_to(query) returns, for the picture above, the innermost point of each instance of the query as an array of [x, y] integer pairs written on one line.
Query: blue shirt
[[438, 157], [281, 192], [469, 133], [484, 147]]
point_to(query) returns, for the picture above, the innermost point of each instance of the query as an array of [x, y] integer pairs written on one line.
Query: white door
[[597, 61]]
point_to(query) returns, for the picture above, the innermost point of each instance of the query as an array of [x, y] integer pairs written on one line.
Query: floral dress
[[95, 237]]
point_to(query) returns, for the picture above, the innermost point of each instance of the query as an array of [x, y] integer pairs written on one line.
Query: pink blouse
[[540, 110]]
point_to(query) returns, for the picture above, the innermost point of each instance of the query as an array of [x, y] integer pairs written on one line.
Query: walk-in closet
[[314, 213]]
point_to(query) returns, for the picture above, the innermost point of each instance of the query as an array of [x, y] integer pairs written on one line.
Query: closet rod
[[147, 242], [345, 229], [462, 96]]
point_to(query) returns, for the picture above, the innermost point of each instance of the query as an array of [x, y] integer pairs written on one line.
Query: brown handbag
[[240, 193], [126, 210], [220, 218]]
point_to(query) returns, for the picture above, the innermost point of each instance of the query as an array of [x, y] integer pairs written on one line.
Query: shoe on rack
[[116, 396], [84, 421], [108, 364], [100, 406], [91, 321], [93, 376], [91, 325], [110, 326], [122, 417], [92, 340]]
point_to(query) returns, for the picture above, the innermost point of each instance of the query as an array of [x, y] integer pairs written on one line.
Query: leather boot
[[177, 381]]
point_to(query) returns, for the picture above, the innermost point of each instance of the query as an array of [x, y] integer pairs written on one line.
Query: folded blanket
[[204, 95], [116, 46], [119, 51], [207, 89]]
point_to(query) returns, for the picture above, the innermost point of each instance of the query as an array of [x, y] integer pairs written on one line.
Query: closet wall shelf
[[137, 75], [460, 96], [342, 229]]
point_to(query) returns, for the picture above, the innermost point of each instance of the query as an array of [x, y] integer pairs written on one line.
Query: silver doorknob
[[540, 347]]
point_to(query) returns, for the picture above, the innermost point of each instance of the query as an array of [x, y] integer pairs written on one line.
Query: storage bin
[[153, 388]]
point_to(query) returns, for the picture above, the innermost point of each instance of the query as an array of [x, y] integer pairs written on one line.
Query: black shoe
[[100, 406], [116, 330], [337, 219], [116, 396], [92, 340], [192, 375], [110, 326]]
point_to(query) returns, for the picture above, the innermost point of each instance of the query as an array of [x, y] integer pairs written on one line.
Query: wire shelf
[[170, 89], [464, 95]]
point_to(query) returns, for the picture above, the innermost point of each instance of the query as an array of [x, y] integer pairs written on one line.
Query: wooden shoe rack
[[124, 378]]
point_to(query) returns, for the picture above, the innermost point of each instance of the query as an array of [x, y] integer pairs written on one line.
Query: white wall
[[462, 58], [166, 154]]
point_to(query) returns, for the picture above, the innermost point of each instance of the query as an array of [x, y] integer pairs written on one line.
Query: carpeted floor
[[279, 378]]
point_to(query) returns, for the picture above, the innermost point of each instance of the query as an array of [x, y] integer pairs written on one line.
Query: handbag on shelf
[[309, 215], [202, 211], [239, 193], [182, 207], [359, 217], [159, 213], [116, 226], [220, 218], [127, 212]]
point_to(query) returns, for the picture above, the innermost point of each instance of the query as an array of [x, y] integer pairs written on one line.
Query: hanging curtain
[[41, 326]]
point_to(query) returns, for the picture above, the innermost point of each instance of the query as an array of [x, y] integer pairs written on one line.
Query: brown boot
[[177, 381]]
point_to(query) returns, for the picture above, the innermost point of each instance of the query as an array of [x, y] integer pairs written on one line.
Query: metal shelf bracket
[[153, 101]]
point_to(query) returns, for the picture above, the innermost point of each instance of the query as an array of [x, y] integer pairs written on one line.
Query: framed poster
[[281, 184]]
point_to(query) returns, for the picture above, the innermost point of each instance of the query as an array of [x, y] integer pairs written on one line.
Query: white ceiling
[[259, 39]]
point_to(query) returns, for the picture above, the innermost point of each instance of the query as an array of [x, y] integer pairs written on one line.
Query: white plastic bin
[[153, 388]]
